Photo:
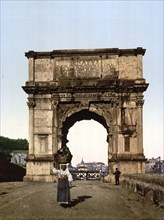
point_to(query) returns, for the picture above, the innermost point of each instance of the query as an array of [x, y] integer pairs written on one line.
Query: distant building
[[91, 170], [92, 166], [154, 165], [18, 158]]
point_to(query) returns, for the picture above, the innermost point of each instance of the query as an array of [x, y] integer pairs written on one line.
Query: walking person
[[117, 174], [63, 188]]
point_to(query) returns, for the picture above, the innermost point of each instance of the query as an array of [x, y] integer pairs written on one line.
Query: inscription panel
[[93, 68]]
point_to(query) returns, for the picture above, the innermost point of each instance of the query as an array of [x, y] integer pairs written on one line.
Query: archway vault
[[66, 86], [84, 114]]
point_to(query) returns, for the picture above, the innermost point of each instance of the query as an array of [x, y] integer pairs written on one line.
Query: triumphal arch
[[66, 86]]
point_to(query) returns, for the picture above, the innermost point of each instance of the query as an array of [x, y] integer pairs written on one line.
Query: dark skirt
[[63, 193]]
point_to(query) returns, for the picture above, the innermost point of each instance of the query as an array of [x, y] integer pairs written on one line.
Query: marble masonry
[[66, 86]]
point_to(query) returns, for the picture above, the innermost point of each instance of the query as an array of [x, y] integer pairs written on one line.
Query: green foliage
[[7, 144]]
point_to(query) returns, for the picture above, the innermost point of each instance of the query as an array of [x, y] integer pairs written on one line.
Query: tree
[[7, 144]]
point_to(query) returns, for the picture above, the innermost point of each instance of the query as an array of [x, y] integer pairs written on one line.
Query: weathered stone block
[[43, 70]]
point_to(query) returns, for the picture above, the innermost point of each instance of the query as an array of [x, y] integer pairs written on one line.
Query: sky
[[53, 25]]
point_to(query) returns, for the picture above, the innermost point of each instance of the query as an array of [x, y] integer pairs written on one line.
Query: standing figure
[[63, 188], [117, 176]]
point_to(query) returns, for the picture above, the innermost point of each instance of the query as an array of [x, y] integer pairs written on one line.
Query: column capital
[[139, 102], [54, 104], [31, 103]]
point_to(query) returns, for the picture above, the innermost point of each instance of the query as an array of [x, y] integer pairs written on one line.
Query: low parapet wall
[[150, 186]]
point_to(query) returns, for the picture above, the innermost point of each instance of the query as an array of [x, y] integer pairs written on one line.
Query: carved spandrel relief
[[103, 110], [65, 110]]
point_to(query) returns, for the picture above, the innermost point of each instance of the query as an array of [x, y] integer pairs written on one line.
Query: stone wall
[[150, 186]]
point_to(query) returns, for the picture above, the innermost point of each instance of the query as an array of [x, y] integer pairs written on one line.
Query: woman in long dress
[[63, 188]]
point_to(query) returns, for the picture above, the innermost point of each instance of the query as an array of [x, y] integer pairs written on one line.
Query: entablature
[[100, 86]]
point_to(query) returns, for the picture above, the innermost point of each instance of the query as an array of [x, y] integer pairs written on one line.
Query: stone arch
[[68, 85]]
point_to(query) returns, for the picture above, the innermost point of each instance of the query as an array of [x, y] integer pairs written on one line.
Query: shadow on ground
[[74, 202]]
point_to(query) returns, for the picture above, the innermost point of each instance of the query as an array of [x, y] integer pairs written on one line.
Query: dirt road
[[90, 200]]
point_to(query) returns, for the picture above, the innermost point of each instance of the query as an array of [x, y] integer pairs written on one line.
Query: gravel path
[[90, 200]]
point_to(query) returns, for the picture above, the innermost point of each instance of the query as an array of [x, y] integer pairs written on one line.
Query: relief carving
[[103, 110], [54, 104], [109, 71], [78, 69], [31, 103], [86, 69], [85, 104], [65, 110]]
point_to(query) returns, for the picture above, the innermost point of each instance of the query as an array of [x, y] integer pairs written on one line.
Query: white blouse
[[63, 172]]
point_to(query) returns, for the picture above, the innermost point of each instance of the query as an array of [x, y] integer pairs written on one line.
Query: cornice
[[118, 86], [85, 52], [127, 157]]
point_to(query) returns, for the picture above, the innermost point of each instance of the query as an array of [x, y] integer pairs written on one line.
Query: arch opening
[[87, 142], [86, 133]]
